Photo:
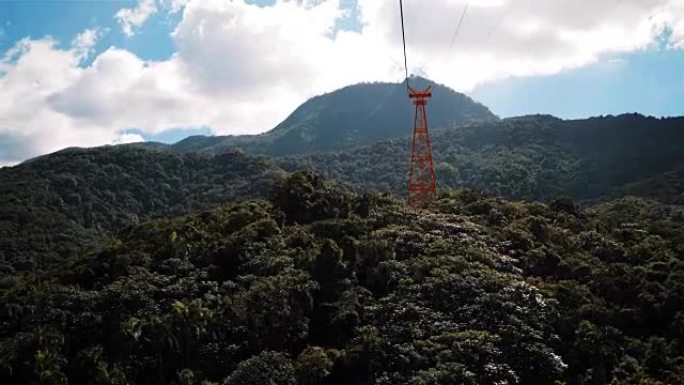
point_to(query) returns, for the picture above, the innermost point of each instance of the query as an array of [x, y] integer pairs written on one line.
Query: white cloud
[[260, 63], [84, 43], [670, 16], [122, 91], [128, 138], [175, 5], [242, 68], [518, 37], [132, 18]]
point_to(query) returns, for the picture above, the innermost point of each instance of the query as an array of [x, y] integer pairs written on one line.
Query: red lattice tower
[[422, 189]]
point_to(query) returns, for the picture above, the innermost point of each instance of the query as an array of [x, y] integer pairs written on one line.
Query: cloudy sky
[[87, 73]]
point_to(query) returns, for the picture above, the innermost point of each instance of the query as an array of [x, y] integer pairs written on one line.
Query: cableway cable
[[458, 28], [453, 38], [403, 38]]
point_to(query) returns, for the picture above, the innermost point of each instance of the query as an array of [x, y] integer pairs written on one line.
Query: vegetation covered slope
[[534, 157], [667, 187], [350, 117], [321, 286], [53, 205]]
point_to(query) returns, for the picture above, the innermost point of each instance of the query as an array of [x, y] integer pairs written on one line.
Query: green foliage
[[313, 365], [267, 368], [322, 286], [305, 197], [51, 207]]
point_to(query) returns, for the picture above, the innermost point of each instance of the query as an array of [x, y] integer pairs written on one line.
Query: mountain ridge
[[536, 157], [349, 117]]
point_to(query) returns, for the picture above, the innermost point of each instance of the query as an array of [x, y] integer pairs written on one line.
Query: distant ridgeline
[[361, 135], [532, 157]]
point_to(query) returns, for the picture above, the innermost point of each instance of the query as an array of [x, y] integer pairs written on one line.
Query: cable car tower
[[422, 188]]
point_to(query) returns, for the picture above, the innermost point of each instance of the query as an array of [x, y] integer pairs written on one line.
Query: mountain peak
[[353, 116]]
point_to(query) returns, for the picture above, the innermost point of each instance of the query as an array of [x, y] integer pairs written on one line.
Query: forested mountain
[[320, 286], [203, 264], [533, 157], [53, 205], [352, 116]]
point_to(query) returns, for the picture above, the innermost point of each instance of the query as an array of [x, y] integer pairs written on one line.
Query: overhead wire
[[403, 38], [451, 44], [458, 27]]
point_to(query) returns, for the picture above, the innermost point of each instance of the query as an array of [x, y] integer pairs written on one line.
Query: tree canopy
[[318, 284]]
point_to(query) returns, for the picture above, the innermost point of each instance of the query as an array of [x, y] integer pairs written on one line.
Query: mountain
[[534, 157], [54, 205], [321, 286], [352, 116]]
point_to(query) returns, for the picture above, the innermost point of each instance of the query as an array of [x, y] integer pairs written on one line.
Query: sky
[[94, 72]]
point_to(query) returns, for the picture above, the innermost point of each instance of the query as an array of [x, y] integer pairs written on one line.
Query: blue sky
[[64, 19], [241, 66], [649, 82]]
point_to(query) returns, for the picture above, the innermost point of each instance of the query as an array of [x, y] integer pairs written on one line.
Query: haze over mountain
[[350, 117]]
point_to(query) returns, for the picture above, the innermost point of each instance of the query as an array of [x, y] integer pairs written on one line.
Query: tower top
[[420, 96]]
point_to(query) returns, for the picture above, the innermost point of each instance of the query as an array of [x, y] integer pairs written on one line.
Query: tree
[[267, 368]]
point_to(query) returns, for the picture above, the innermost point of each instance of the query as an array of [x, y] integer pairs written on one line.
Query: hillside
[[53, 205], [533, 157], [320, 286], [667, 187], [350, 117]]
